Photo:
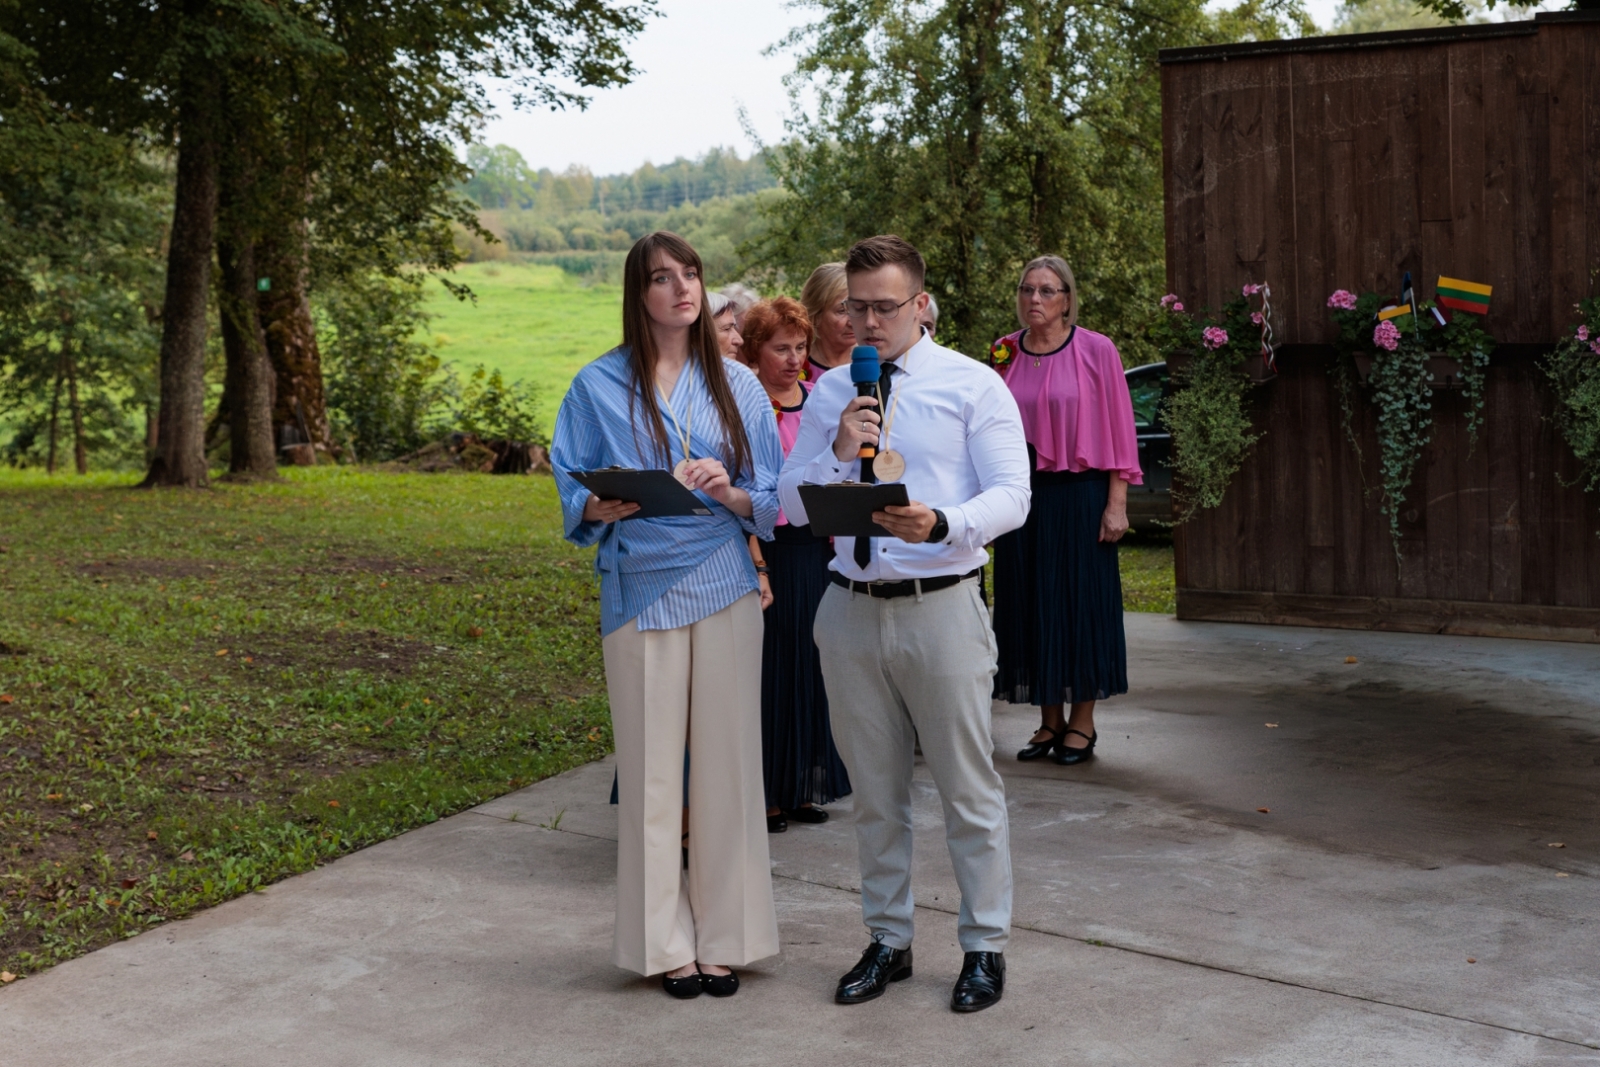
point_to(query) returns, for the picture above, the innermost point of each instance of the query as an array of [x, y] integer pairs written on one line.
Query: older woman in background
[[742, 298], [1057, 590], [832, 337], [728, 336], [802, 766]]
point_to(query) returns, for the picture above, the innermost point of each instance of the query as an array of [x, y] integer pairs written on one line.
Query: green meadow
[[531, 321]]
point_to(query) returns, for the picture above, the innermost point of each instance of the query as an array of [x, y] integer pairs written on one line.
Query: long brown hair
[[703, 348]]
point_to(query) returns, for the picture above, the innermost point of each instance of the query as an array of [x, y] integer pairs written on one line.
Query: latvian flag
[[1464, 296]]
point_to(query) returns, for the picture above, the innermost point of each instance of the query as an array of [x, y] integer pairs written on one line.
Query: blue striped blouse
[[667, 572]]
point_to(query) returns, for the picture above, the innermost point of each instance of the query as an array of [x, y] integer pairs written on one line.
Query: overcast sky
[[701, 60]]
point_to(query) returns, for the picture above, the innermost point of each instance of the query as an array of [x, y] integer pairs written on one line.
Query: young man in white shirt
[[907, 650]]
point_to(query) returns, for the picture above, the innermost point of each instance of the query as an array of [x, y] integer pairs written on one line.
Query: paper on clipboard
[[657, 492], [844, 509]]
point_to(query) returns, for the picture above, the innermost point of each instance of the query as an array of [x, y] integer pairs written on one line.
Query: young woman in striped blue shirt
[[680, 621]]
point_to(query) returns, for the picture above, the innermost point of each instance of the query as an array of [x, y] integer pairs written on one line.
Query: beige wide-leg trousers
[[703, 681]]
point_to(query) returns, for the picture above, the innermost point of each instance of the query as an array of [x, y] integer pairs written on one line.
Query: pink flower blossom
[[1386, 336], [1343, 299], [1178, 306], [1215, 336], [1255, 317], [1170, 302], [1250, 290], [1594, 346], [1583, 333]]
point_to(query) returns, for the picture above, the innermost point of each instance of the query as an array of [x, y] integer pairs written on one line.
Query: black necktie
[[864, 544]]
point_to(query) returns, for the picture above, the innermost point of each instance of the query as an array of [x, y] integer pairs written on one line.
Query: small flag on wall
[[1464, 296], [1394, 311]]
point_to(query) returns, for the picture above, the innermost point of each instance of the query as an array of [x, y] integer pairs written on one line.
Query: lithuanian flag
[[1394, 311], [1464, 296]]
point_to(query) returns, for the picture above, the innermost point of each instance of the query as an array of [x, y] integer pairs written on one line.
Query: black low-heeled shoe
[[1040, 749], [982, 982], [686, 988], [1067, 757], [777, 824], [720, 985], [810, 814]]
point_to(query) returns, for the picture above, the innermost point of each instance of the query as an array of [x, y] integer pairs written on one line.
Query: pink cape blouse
[[789, 428], [1076, 411]]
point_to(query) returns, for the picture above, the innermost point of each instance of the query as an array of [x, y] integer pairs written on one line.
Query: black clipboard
[[844, 509], [657, 492]]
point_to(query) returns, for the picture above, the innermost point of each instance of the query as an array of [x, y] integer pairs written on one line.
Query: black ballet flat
[[686, 988], [1068, 757], [1040, 749], [720, 985], [810, 814], [777, 824]]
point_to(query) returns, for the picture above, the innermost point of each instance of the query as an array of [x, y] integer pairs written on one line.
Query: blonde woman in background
[[832, 337]]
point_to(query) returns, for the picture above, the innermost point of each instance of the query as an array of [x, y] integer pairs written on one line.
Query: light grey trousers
[[899, 671]]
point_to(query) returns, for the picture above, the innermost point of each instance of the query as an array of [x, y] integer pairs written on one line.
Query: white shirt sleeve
[[811, 461], [999, 452]]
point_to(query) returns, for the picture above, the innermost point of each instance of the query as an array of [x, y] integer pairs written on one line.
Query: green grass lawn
[[533, 322], [203, 692]]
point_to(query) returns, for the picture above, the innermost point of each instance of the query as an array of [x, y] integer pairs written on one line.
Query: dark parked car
[[1151, 503]]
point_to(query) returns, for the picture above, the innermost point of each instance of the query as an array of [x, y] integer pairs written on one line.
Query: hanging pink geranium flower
[[1343, 299], [1215, 336], [1170, 303], [1583, 333], [1386, 336], [1250, 290], [1255, 317]]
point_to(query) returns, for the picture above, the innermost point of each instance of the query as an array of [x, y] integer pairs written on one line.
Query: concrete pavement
[[1413, 800]]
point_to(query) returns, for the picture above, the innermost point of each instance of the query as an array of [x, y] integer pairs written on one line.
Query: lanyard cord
[[683, 434], [888, 419]]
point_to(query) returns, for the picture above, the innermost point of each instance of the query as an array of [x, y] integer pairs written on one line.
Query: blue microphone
[[864, 371]]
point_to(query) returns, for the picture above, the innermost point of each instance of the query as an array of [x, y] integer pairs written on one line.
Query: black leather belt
[[890, 590]]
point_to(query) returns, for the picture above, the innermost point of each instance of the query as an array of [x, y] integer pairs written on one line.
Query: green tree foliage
[[502, 179], [987, 132], [1379, 16], [80, 229], [363, 96]]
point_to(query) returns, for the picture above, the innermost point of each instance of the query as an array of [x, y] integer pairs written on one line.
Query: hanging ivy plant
[[1574, 373], [1399, 383], [1206, 413]]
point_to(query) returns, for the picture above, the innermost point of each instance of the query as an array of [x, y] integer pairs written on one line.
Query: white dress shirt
[[957, 426]]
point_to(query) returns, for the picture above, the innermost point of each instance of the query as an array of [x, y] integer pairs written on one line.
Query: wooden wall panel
[[1313, 170]]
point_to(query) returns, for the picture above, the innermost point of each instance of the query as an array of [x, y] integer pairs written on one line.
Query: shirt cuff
[[957, 518]]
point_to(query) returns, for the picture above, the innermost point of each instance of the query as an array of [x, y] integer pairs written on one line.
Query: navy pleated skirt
[[801, 763], [1058, 597]]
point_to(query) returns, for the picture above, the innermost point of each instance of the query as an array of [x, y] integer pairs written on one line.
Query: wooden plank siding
[[1344, 163]]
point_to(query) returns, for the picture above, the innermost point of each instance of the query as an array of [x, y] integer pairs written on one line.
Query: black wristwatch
[[941, 527]]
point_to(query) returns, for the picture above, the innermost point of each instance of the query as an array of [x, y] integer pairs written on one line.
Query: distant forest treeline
[[583, 222]]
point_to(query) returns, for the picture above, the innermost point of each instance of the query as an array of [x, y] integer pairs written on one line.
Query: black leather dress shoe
[[1066, 757], [982, 982], [809, 813], [879, 966], [777, 824], [1040, 749]]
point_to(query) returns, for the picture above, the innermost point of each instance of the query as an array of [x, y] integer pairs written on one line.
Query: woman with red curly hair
[[802, 766]]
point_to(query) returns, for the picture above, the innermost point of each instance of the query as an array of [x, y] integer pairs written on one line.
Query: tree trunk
[[80, 449], [300, 412], [55, 422], [248, 394], [180, 456]]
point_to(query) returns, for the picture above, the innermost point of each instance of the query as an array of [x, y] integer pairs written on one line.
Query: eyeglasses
[[886, 309], [1045, 292]]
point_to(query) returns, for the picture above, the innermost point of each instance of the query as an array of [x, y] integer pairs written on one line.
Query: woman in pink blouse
[[1057, 589], [803, 768]]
